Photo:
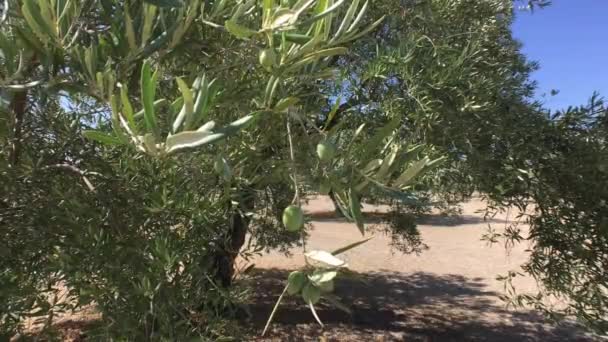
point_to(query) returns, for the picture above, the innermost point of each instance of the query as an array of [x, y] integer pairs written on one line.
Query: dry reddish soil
[[447, 293]]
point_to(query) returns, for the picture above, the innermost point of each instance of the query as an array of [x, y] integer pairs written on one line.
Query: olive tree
[[462, 87], [143, 140]]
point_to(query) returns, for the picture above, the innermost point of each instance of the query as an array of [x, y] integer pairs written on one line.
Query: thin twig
[[314, 313], [74, 169], [274, 310], [296, 197]]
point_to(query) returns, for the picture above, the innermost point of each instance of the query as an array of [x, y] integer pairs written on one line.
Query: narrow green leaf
[[364, 32], [321, 6], [312, 57], [324, 13], [358, 131], [237, 30], [283, 17], [190, 139], [332, 113], [388, 161], [322, 276], [341, 198], [165, 3], [293, 37], [408, 175], [148, 92], [355, 209], [39, 26], [99, 81], [188, 107], [101, 137], [47, 15], [268, 4], [308, 47], [351, 246], [359, 17], [130, 31], [115, 119], [157, 104], [204, 99], [382, 133], [208, 127], [302, 5], [285, 103], [127, 109], [348, 17], [4, 11], [372, 165], [149, 16], [90, 58]]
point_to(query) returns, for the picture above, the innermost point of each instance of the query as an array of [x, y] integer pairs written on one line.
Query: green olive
[[311, 293], [327, 286], [295, 282], [268, 58], [293, 218], [326, 151]]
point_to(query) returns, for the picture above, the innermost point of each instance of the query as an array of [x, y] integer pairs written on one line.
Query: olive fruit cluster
[[311, 286]]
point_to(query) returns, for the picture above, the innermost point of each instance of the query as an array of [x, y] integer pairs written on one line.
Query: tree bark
[[337, 208], [234, 238], [18, 106]]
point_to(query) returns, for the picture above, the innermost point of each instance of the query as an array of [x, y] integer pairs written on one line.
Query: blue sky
[[570, 41]]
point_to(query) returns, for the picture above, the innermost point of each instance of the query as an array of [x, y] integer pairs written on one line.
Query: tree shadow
[[428, 219], [455, 220], [73, 330], [399, 307]]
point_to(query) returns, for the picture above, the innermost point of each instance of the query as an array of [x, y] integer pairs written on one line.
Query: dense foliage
[[145, 144]]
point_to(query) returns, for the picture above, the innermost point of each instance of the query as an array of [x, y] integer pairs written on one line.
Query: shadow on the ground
[[455, 220], [398, 307], [429, 220]]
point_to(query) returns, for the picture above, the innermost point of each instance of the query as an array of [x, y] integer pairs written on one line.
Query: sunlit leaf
[[325, 258], [190, 139], [283, 17], [321, 276]]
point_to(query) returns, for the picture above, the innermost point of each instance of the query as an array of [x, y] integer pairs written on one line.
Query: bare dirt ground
[[448, 293]]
